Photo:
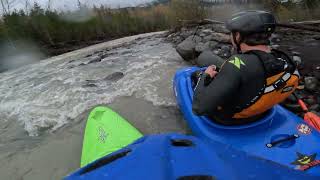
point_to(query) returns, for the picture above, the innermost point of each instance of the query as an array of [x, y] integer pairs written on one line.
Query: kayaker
[[252, 81]]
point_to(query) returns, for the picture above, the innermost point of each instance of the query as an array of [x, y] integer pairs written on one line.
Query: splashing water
[[50, 94]]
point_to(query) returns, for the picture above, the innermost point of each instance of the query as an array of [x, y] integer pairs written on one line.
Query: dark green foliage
[[59, 30], [52, 29]]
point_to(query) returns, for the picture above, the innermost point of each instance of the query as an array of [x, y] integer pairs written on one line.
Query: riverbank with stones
[[196, 44]]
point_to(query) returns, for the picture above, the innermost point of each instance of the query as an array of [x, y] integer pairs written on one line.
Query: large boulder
[[186, 49], [219, 37], [208, 58], [220, 29], [311, 83]]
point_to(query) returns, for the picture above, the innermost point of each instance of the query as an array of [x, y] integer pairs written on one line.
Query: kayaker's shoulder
[[239, 60], [242, 57]]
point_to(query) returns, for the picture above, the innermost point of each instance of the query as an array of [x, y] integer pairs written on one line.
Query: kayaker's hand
[[211, 70]]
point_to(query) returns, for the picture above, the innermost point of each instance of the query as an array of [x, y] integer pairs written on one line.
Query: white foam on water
[[48, 95]]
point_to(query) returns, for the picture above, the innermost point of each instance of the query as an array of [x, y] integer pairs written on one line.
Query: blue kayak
[[281, 136], [180, 157]]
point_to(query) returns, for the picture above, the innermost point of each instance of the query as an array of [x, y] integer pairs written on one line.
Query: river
[[44, 106]]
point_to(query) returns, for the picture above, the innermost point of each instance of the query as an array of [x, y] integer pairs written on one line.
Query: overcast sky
[[71, 4]]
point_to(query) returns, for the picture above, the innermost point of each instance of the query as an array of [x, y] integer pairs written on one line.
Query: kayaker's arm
[[220, 91]]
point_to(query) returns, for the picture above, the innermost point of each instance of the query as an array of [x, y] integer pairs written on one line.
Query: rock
[[185, 33], [114, 76], [297, 60], [225, 51], [211, 44], [216, 51], [207, 38], [208, 58], [200, 47], [310, 100], [275, 46], [91, 81], [316, 37], [295, 53], [207, 32], [291, 99], [317, 73], [220, 29], [275, 36], [95, 60], [202, 35], [177, 40], [219, 37], [315, 107], [89, 85], [186, 49], [71, 61], [311, 83]]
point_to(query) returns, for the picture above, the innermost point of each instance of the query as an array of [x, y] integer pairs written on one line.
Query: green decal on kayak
[[106, 132]]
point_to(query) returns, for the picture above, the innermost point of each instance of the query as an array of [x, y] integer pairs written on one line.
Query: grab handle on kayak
[[292, 137]]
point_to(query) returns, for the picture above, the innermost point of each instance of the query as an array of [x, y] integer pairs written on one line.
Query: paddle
[[311, 118]]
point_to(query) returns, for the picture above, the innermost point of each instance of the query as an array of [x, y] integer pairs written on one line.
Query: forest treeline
[[64, 31]]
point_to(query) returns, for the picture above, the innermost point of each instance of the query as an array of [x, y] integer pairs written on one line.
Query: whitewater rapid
[[50, 94]]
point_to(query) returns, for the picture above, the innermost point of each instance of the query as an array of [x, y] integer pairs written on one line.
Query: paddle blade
[[313, 120]]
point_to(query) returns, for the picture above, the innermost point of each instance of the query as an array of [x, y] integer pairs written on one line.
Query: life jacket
[[277, 88]]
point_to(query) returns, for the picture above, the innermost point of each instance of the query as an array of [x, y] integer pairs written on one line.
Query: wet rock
[[202, 35], [177, 40], [114, 76], [89, 85], [207, 38], [185, 33], [212, 44], [200, 47], [206, 32], [220, 29], [72, 61], [217, 51], [275, 46], [225, 51], [208, 58], [311, 83], [129, 51], [316, 37], [315, 107], [186, 49], [297, 60], [310, 100], [95, 60], [104, 55], [295, 53], [291, 99], [90, 81], [317, 73], [220, 37]]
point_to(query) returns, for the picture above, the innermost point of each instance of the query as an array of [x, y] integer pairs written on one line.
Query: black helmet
[[249, 22]]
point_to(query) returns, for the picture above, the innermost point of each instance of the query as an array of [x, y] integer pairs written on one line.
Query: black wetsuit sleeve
[[219, 92]]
